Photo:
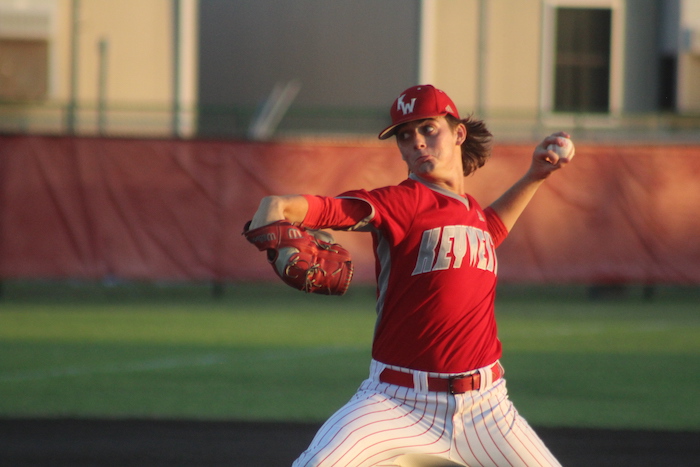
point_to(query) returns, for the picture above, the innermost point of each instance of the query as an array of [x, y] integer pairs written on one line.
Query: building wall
[[453, 52], [514, 56], [136, 68], [139, 38], [350, 59], [348, 56], [688, 99], [643, 56], [124, 60], [486, 54]]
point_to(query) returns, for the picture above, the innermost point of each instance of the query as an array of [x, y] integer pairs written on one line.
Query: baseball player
[[436, 389]]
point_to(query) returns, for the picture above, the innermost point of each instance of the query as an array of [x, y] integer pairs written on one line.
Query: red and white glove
[[306, 260]]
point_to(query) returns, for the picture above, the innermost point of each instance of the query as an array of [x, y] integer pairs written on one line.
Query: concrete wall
[[348, 55]]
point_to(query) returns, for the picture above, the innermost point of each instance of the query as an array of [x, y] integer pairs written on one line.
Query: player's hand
[[544, 161]]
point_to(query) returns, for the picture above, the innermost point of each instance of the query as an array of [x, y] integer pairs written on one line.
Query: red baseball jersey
[[436, 272]]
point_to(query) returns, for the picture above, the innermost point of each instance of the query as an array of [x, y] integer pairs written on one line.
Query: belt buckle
[[450, 386], [471, 377], [450, 383]]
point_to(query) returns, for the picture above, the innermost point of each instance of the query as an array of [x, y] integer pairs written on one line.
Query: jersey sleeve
[[336, 213], [498, 230], [394, 209]]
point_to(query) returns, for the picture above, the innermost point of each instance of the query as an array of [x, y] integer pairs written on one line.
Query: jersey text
[[454, 246]]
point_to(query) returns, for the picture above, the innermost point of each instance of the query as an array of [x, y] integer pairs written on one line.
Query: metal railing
[[235, 122]]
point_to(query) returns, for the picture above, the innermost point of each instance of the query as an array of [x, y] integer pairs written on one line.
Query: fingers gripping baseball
[[306, 260], [553, 153]]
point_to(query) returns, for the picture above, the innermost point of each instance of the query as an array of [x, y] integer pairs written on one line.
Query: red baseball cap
[[417, 103]]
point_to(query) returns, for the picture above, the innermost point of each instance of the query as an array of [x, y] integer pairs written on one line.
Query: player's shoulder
[[402, 189], [404, 192], [407, 186], [401, 198]]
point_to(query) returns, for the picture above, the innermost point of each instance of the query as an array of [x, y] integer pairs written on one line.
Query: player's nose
[[418, 140]]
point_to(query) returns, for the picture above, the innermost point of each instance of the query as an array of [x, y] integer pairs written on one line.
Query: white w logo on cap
[[404, 107]]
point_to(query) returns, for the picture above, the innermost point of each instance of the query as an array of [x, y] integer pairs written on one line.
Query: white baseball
[[566, 151]]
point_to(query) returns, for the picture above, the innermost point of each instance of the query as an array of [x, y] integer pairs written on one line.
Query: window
[[23, 69], [583, 56], [668, 65], [25, 30], [582, 60]]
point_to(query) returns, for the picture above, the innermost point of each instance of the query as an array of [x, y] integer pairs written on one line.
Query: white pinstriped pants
[[383, 422]]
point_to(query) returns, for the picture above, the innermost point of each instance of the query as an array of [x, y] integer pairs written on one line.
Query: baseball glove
[[307, 260]]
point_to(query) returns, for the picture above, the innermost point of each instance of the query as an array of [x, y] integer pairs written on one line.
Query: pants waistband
[[455, 384]]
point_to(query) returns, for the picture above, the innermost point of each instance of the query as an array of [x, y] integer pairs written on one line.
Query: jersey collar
[[463, 199]]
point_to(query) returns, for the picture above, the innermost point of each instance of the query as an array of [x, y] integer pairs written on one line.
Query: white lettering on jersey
[[447, 247], [406, 108], [426, 253]]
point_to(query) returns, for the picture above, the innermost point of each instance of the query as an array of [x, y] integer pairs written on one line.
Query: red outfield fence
[[92, 208]]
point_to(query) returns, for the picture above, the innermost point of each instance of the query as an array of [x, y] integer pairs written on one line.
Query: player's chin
[[423, 167]]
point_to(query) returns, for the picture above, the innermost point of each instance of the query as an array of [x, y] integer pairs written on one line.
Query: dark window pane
[[582, 73]]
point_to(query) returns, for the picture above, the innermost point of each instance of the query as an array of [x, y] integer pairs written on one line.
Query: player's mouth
[[423, 162]]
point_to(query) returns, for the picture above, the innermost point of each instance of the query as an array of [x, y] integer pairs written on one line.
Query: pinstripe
[[383, 421], [461, 442], [434, 443], [397, 445], [471, 429], [499, 430], [352, 418], [374, 439], [500, 426], [511, 441], [481, 427], [339, 435], [531, 443], [529, 448], [348, 439]]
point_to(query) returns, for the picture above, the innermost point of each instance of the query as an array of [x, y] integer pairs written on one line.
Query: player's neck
[[454, 185]]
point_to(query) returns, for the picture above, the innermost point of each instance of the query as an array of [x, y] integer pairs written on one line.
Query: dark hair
[[476, 148]]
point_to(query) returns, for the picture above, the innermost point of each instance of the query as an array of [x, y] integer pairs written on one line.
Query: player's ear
[[460, 134]]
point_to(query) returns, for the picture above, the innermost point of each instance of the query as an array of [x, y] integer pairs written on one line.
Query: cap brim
[[389, 132]]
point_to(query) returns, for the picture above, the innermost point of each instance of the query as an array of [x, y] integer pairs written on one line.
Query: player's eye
[[429, 129], [406, 134]]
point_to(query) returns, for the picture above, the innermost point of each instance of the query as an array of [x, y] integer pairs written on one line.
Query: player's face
[[431, 148]]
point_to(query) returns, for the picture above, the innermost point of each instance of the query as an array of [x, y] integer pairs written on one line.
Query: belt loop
[[375, 369], [420, 381], [486, 376]]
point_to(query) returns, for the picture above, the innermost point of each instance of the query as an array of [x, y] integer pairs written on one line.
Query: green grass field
[[263, 352]]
